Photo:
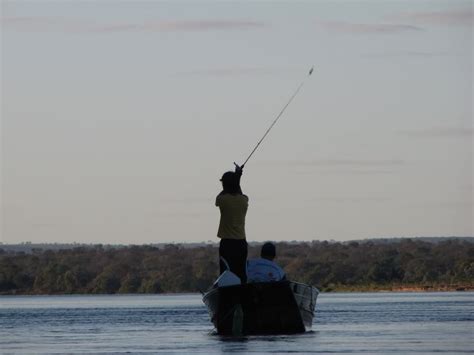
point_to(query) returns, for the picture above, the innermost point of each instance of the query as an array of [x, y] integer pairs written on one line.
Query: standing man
[[233, 206]]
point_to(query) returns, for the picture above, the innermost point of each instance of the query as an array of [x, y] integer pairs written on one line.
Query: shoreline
[[404, 288], [388, 289]]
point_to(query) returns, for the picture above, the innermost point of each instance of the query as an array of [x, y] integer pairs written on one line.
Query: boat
[[283, 307]]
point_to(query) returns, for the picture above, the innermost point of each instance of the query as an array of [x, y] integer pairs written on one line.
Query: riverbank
[[400, 266]]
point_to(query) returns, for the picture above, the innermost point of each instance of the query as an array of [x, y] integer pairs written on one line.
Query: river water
[[373, 323]]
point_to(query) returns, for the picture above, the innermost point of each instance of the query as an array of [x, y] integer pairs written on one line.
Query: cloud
[[57, 24], [403, 22], [201, 25], [366, 28], [448, 132], [453, 17]]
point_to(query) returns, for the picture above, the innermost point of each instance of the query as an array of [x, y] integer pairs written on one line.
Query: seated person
[[263, 269]]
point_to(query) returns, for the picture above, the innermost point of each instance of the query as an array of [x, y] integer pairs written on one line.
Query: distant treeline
[[329, 266]]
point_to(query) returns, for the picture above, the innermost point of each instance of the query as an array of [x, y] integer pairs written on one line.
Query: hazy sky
[[118, 119]]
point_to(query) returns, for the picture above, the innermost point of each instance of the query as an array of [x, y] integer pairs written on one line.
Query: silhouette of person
[[263, 269], [233, 206]]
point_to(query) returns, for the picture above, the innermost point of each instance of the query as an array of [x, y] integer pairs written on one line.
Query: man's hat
[[228, 176]]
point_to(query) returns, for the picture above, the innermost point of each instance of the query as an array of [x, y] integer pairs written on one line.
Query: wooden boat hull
[[262, 308]]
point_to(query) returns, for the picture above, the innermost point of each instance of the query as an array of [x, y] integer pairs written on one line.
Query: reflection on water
[[369, 322]]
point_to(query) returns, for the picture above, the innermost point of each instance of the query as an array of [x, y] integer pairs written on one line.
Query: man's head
[[230, 182], [268, 251]]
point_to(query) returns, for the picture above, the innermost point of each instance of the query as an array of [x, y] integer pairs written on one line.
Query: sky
[[118, 119]]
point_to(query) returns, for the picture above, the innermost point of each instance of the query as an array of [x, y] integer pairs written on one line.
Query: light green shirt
[[233, 210]]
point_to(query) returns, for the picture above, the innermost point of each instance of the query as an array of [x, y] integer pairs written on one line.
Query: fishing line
[[278, 117]]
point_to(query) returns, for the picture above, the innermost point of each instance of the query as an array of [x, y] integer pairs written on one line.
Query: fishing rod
[[276, 119]]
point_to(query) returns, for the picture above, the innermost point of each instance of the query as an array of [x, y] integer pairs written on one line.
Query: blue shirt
[[263, 270]]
